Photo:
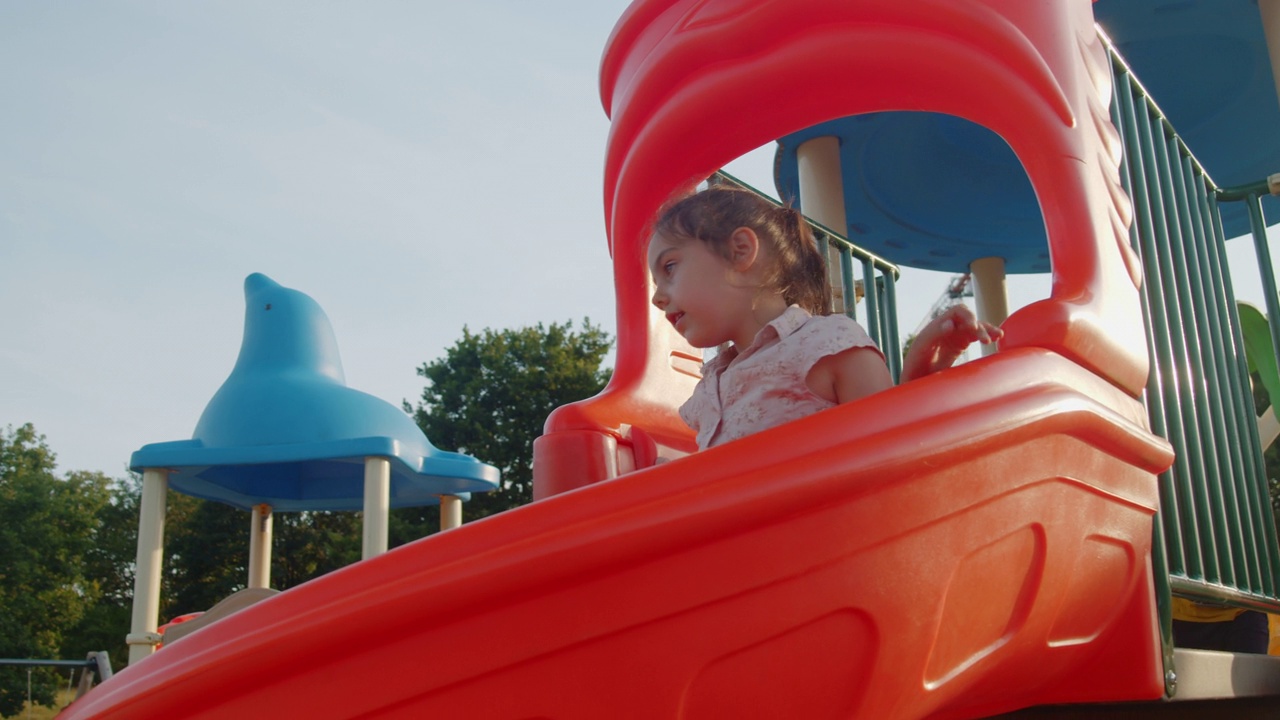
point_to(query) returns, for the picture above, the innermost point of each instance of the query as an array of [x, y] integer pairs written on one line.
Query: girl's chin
[[701, 343], [695, 338]]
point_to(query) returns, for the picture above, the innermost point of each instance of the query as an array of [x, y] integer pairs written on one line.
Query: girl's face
[[707, 301]]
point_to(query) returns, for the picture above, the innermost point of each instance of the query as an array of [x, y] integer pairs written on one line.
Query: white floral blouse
[[764, 386]]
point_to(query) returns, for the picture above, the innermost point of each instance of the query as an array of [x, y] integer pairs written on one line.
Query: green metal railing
[[877, 283], [1215, 538]]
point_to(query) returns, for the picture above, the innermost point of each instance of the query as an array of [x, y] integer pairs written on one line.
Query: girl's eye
[[669, 267]]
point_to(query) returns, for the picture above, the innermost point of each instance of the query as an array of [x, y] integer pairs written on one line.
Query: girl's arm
[[943, 339], [849, 375]]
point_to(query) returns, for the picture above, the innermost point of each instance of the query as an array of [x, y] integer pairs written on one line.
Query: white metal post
[[377, 504], [822, 199], [142, 637], [450, 512], [260, 546], [990, 294]]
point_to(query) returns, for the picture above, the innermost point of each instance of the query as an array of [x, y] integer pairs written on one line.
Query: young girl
[[734, 270]]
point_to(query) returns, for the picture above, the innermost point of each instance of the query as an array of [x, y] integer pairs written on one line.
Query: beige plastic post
[[377, 503], [450, 512], [989, 293], [1270, 12], [1268, 428], [260, 546], [822, 199], [142, 637]]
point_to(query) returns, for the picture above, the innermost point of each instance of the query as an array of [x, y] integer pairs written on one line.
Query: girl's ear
[[744, 248]]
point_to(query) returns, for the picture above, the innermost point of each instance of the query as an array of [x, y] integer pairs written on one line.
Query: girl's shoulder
[[830, 334], [835, 323]]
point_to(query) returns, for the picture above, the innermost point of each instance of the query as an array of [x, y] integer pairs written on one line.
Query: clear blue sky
[[416, 167]]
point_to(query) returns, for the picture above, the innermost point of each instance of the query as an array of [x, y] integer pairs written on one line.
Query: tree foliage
[[48, 530], [110, 562], [491, 394], [311, 544], [206, 554], [207, 550]]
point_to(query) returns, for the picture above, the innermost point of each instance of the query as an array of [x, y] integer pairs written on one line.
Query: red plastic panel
[[948, 560]]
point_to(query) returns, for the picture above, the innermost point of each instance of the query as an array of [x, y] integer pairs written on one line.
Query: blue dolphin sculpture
[[284, 429]]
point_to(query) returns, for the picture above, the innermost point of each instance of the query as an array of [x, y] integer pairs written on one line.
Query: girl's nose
[[659, 299]]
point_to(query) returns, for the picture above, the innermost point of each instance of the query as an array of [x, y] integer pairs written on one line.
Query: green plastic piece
[[1258, 351]]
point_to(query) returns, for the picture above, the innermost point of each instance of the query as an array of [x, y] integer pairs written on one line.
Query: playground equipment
[[95, 668], [1000, 535], [285, 433]]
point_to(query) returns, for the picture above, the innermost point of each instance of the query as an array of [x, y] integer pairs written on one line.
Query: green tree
[[110, 562], [489, 397], [190, 573], [206, 554], [310, 544], [48, 527], [207, 551]]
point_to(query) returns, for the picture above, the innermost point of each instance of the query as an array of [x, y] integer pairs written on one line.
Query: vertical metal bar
[[894, 353], [1217, 478], [1162, 389], [1167, 551], [824, 241], [1259, 485], [846, 278], [1243, 426], [1254, 479], [1209, 507], [1223, 403], [1185, 519], [884, 315], [823, 244], [1131, 167], [871, 296], [1258, 226]]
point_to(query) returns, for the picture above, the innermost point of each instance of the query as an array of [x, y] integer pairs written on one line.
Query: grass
[[41, 712]]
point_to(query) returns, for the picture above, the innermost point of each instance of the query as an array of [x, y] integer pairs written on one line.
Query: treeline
[[68, 542]]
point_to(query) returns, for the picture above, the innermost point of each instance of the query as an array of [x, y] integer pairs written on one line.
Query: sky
[[415, 167]]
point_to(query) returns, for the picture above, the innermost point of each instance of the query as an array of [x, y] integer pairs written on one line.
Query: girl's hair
[[796, 267]]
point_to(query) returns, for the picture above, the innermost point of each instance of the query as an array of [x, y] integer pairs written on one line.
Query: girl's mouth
[[674, 318]]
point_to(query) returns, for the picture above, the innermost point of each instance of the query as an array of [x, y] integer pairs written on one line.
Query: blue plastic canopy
[[936, 192], [284, 429]]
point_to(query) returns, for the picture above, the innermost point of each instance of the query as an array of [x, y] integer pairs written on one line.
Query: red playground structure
[[972, 543]]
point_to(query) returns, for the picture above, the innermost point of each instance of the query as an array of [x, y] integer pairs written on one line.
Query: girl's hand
[[958, 327], [943, 339]]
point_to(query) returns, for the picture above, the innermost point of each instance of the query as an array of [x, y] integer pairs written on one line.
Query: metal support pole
[[822, 200], [260, 546], [142, 637], [450, 512], [377, 504], [989, 293]]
